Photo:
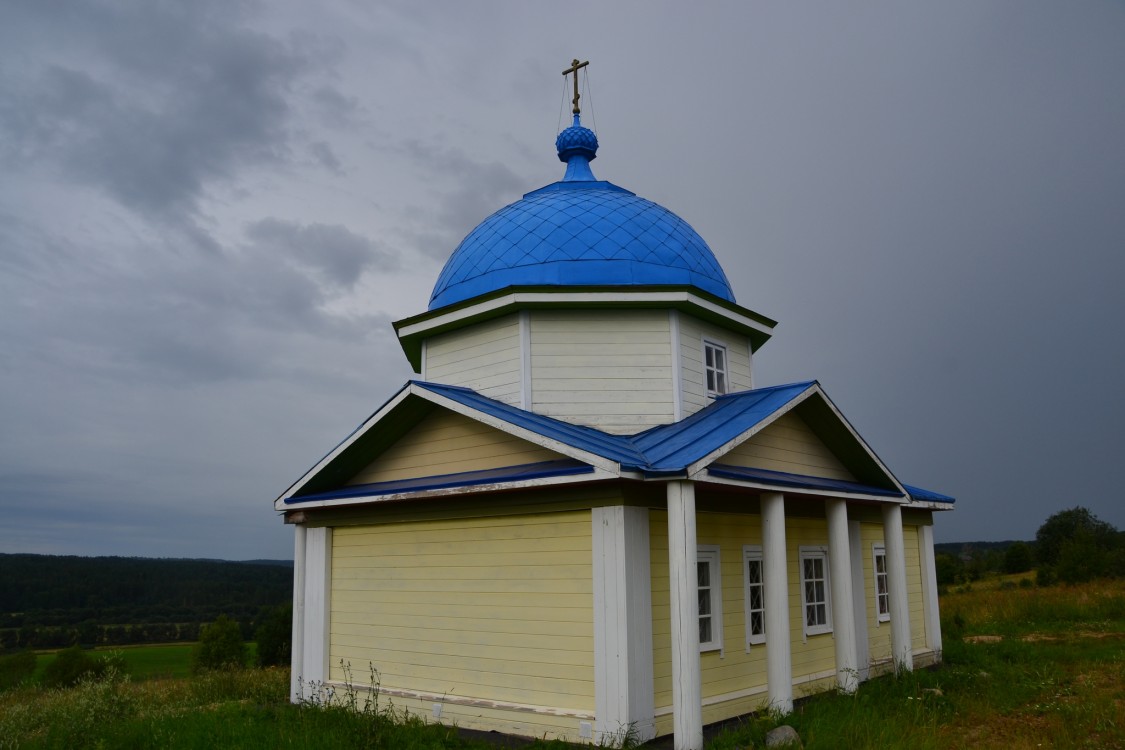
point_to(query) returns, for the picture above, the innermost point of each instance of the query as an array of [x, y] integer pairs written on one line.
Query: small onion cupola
[[579, 269]]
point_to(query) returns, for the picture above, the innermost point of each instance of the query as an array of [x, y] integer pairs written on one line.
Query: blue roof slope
[[674, 446], [927, 496]]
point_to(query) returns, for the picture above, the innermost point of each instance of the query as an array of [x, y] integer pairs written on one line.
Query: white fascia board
[[357, 433], [928, 505], [705, 476], [470, 489], [519, 299], [696, 468], [523, 433]]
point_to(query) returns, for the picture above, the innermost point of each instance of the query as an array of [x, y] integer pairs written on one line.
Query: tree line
[[49, 601], [1072, 546]]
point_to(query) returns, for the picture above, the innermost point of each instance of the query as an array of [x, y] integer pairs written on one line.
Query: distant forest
[[49, 601]]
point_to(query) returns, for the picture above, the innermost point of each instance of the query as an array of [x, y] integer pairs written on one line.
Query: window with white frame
[[882, 589], [710, 598], [715, 367], [815, 600], [755, 590]]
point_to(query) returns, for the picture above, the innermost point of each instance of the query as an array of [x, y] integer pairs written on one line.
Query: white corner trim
[[297, 655], [317, 609], [677, 366], [424, 357], [623, 679], [525, 360], [930, 588]]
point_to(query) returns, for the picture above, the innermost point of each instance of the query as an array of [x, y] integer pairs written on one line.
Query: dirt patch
[[983, 638], [1041, 637]]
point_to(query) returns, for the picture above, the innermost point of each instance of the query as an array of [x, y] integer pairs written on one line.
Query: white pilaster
[[318, 585], [843, 616], [779, 655], [930, 587], [677, 366], [901, 650], [525, 359], [859, 604], [623, 690], [687, 688], [296, 658]]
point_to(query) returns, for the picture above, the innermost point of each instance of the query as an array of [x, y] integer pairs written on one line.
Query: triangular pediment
[[444, 442], [789, 445]]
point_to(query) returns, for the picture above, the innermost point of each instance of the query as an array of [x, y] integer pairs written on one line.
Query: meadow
[[1025, 667]]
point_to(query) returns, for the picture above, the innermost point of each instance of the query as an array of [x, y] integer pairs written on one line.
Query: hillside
[[48, 600]]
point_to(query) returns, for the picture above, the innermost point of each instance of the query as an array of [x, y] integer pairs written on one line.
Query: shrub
[[1017, 558], [16, 668], [1025, 583], [275, 636], [1045, 576], [1069, 525], [220, 647], [70, 666]]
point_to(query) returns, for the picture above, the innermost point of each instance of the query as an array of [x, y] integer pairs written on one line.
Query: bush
[[17, 668], [275, 636], [220, 647], [1045, 576], [1017, 558], [70, 666]]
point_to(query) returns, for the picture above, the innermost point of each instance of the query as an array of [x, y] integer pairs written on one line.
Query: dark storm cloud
[[150, 102], [332, 252]]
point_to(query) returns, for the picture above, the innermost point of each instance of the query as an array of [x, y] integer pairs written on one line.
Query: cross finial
[[575, 66]]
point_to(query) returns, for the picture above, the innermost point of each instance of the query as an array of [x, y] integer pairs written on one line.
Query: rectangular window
[[814, 590], [715, 367], [882, 589], [710, 598], [755, 594]]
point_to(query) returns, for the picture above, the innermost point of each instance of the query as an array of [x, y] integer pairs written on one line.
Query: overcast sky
[[211, 211]]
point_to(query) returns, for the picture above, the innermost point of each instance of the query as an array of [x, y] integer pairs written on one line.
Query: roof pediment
[[432, 438]]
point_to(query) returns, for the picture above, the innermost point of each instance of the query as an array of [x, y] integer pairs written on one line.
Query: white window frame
[[753, 553], [714, 369], [812, 554], [709, 554], [883, 596]]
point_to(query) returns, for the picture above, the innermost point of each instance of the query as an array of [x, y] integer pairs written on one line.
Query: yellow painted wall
[[493, 609], [788, 445], [485, 357], [610, 369], [879, 633], [444, 442]]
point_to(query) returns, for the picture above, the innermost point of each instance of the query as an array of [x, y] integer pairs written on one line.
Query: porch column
[[318, 585], [623, 692], [859, 601], [843, 617], [902, 651], [683, 590], [297, 656], [930, 588], [779, 655]]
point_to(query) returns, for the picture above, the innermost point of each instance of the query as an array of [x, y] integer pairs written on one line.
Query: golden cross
[[575, 66]]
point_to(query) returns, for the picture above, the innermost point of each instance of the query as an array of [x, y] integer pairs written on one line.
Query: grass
[[146, 662], [1054, 678]]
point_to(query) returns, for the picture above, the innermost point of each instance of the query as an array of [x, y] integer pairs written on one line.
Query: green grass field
[[1023, 668], [147, 662]]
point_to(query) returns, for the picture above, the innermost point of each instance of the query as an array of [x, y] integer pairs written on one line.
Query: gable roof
[[688, 448]]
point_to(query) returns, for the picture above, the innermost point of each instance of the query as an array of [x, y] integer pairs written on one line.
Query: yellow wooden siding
[[693, 384], [485, 718], [610, 369], [914, 592], [878, 633], [496, 609], [444, 442], [788, 445], [485, 357]]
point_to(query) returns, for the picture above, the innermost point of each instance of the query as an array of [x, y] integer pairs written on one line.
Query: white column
[[859, 602], [296, 658], [623, 690], [683, 589], [843, 617], [779, 656], [318, 585], [930, 588], [902, 651]]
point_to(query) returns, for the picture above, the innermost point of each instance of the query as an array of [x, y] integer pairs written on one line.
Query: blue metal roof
[[927, 496], [560, 468], [579, 232]]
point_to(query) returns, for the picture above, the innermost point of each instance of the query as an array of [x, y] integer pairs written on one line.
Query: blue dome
[[579, 232]]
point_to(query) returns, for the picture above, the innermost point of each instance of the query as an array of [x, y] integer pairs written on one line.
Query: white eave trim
[[470, 489], [706, 476], [580, 298]]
